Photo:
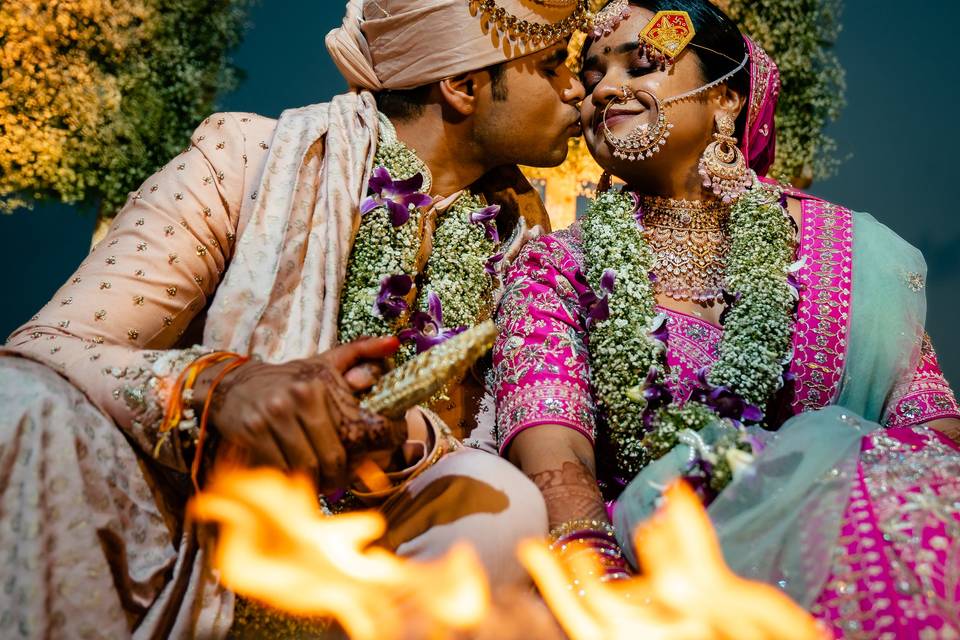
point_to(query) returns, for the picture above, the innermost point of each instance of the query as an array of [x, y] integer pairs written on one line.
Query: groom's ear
[[460, 93]]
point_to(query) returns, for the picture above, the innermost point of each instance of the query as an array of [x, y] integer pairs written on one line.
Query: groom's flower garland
[[457, 284], [628, 338]]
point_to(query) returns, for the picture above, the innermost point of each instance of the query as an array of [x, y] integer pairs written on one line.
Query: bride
[[704, 322]]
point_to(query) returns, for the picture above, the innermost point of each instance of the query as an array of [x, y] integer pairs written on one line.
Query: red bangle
[[205, 415]]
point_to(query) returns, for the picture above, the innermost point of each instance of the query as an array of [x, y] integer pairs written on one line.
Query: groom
[[238, 248]]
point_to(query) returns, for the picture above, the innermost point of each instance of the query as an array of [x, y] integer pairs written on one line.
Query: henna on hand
[[571, 493]]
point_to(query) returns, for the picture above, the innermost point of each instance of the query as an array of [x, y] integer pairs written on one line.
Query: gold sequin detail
[[198, 279], [63, 324], [263, 145], [172, 258], [171, 291], [100, 315], [140, 273], [201, 250], [104, 285], [139, 222], [141, 246], [133, 334], [76, 281], [914, 281], [206, 211], [167, 321], [207, 179], [181, 166], [111, 260], [138, 300], [154, 188], [66, 301], [220, 146], [168, 230], [178, 196]]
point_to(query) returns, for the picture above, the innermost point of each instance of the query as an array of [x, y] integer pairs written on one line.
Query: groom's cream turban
[[401, 44]]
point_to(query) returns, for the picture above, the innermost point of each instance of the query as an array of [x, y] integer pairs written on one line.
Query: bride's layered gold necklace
[[691, 244]]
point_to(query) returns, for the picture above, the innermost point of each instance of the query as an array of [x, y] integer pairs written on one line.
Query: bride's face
[[614, 62]]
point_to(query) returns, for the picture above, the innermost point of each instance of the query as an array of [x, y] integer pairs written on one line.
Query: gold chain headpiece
[[533, 32]]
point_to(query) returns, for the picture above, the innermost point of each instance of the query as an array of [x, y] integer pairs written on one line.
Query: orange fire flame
[[686, 590], [276, 546]]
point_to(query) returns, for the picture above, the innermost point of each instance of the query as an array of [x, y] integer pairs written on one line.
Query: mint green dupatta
[[779, 520]]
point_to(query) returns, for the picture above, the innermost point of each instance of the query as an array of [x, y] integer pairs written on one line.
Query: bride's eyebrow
[[625, 47]]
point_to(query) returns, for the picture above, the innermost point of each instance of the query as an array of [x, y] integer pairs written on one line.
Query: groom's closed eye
[[552, 63]]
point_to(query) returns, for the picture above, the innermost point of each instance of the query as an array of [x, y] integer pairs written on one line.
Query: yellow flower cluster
[[57, 89], [96, 94]]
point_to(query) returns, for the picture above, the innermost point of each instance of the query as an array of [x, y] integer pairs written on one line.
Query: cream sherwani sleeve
[[117, 329]]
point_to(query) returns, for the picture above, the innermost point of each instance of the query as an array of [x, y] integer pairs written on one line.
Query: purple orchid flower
[[660, 331], [724, 402], [487, 217], [428, 331], [656, 394], [794, 285], [598, 307], [396, 195], [392, 299], [491, 264], [637, 209]]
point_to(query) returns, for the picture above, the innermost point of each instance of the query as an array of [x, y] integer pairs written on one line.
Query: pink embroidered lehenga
[[858, 522]]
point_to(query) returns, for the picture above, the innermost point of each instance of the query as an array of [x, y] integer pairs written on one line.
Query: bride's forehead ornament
[[610, 17], [666, 36]]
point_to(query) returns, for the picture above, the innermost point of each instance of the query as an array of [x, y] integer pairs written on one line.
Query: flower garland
[[628, 338], [457, 285]]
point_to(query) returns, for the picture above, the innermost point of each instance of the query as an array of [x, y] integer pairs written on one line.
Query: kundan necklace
[[690, 243]]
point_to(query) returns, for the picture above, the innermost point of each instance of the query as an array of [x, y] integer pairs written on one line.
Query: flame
[[274, 545], [686, 590]]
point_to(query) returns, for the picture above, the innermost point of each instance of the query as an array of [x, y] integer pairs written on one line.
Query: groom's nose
[[574, 92]]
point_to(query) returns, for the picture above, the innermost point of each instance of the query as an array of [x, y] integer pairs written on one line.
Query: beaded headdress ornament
[[535, 33]]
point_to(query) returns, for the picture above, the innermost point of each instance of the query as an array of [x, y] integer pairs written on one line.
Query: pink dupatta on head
[[759, 140]]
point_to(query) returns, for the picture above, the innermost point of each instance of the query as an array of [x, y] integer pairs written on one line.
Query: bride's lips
[[613, 116]]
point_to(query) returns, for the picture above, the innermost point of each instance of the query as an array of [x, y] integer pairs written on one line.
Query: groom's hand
[[304, 414]]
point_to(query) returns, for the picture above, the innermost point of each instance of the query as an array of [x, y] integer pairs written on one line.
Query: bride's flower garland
[[628, 337], [380, 296]]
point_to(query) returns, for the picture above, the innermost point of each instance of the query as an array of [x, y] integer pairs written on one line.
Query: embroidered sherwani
[[92, 497]]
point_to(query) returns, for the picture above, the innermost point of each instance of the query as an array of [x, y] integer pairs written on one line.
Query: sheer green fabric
[[778, 520]]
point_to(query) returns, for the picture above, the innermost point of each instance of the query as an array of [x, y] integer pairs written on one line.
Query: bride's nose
[[605, 91]]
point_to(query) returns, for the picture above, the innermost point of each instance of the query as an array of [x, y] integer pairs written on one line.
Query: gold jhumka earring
[[722, 165]]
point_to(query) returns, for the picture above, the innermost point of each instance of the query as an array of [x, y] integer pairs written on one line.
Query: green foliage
[[799, 36]]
